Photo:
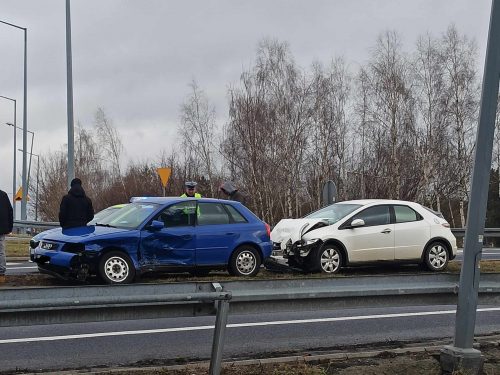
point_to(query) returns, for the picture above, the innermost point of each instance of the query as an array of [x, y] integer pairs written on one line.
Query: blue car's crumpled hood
[[80, 234]]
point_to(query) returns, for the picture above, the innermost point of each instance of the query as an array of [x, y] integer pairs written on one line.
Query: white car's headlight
[[310, 242]]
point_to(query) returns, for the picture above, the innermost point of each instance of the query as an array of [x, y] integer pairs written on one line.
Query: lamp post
[[37, 179], [69, 89], [25, 115], [29, 165], [14, 184]]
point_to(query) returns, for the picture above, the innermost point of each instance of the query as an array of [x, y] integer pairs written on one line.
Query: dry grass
[[17, 247], [387, 363]]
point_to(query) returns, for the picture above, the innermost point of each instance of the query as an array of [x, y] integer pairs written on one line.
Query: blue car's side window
[[212, 213], [236, 216], [178, 215]]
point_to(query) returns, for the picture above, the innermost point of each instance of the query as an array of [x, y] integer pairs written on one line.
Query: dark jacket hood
[[77, 191], [229, 187]]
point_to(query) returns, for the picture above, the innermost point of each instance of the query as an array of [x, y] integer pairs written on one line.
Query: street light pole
[[69, 82], [25, 115], [462, 355], [32, 138], [14, 184], [37, 179]]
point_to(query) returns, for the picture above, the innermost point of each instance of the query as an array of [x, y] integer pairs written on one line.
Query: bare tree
[[198, 132], [462, 91], [111, 143]]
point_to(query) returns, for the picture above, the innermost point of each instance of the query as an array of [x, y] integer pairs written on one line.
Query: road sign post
[[164, 174], [462, 356], [329, 193]]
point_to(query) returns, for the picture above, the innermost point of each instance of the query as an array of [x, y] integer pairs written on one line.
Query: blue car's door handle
[[187, 237], [230, 234], [167, 248]]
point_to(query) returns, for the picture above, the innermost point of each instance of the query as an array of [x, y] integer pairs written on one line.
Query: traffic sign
[[19, 195], [164, 174]]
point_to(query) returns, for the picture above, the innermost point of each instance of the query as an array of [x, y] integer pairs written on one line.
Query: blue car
[[159, 234]]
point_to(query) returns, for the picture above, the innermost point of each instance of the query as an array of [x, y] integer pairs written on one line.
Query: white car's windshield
[[334, 212], [130, 216]]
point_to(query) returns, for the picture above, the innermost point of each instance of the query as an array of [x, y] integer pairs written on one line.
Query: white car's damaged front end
[[289, 241]]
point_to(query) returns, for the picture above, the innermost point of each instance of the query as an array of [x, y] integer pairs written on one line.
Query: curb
[[315, 359], [17, 259]]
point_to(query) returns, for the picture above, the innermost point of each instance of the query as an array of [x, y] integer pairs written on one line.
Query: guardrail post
[[219, 336]]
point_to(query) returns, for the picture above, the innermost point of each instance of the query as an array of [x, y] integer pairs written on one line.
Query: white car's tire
[[328, 259], [436, 256]]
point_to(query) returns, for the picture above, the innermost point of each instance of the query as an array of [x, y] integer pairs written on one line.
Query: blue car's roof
[[165, 200]]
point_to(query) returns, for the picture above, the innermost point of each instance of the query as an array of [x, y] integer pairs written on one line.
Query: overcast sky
[[135, 58]]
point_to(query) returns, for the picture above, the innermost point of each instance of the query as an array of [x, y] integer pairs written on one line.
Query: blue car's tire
[[245, 261], [116, 267]]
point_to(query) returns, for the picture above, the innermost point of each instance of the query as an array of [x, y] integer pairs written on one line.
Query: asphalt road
[[25, 267], [162, 341]]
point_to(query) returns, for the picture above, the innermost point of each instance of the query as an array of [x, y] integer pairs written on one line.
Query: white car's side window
[[405, 214], [376, 215]]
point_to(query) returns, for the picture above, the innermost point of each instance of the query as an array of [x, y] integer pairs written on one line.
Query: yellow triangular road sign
[[164, 175], [19, 195]]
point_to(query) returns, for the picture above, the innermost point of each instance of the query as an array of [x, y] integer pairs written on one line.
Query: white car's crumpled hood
[[292, 229]]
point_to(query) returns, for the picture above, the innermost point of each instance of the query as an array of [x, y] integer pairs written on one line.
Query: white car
[[366, 231]]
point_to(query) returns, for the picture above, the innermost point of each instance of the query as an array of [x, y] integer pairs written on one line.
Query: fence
[[458, 232], [32, 306]]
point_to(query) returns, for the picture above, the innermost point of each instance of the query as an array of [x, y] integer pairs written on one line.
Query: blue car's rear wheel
[[245, 261], [116, 267]]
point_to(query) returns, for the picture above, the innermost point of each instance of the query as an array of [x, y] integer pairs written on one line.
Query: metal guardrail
[[488, 232], [32, 306], [35, 224], [458, 232]]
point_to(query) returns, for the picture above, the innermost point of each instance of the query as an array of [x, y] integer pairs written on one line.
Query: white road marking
[[236, 325], [23, 268]]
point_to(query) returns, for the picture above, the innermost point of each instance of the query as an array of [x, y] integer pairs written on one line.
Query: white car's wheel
[[436, 256], [329, 259], [116, 267]]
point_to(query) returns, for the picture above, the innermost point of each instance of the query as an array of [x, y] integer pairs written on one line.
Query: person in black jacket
[[232, 192], [76, 208], [6, 223]]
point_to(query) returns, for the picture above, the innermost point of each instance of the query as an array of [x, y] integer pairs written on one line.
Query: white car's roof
[[370, 201]]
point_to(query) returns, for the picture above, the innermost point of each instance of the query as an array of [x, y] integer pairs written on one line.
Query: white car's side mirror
[[357, 223]]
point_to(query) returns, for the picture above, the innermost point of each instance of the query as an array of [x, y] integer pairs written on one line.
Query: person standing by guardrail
[[76, 208], [6, 224]]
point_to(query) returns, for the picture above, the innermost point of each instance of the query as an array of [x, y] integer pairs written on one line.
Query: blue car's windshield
[[334, 212], [130, 216]]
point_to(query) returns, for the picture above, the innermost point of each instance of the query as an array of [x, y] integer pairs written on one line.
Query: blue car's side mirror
[[156, 225]]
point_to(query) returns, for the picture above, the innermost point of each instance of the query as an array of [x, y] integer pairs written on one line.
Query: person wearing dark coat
[[76, 208], [232, 192], [6, 224]]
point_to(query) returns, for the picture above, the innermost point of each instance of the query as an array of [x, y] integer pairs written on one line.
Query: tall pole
[[69, 72], [37, 180], [25, 116], [14, 177], [29, 167], [14, 184], [462, 354], [25, 128]]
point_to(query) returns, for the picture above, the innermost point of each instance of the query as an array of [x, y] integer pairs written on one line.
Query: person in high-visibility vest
[[191, 190]]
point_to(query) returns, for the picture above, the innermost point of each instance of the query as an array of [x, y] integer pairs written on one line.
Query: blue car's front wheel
[[116, 267]]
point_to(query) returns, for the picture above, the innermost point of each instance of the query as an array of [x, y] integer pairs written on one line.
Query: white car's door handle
[[386, 231]]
